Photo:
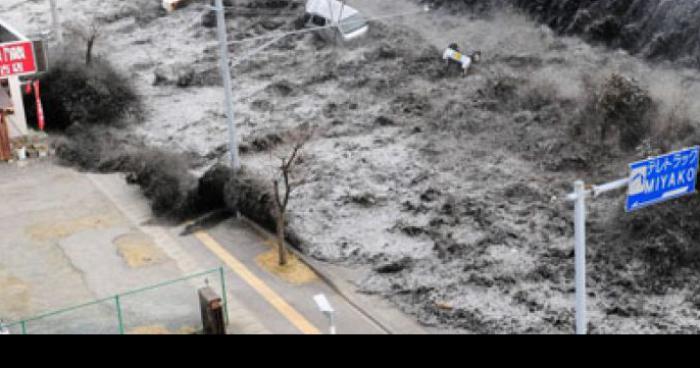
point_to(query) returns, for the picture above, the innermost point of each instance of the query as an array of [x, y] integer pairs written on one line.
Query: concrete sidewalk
[[341, 279], [260, 300], [71, 238]]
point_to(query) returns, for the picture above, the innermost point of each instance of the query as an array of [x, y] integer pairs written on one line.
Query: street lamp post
[[226, 77]]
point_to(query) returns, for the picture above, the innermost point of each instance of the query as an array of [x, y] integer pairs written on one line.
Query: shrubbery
[[73, 92], [163, 177], [252, 196], [165, 180], [84, 102], [618, 107]]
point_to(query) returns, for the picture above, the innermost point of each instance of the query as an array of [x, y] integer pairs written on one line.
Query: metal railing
[[164, 308]]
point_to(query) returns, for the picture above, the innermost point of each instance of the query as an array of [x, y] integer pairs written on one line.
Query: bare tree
[[88, 32], [282, 200], [286, 171]]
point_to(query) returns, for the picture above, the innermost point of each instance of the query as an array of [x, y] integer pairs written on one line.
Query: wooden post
[[5, 146]]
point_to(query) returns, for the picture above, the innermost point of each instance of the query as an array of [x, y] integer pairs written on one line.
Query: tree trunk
[[88, 53], [280, 237]]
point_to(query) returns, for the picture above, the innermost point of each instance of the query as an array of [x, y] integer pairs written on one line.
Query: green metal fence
[[167, 307]]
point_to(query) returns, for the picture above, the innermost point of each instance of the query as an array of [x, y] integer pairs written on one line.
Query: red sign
[[39, 107], [17, 58]]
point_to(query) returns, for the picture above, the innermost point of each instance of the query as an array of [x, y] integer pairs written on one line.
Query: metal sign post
[[651, 181], [579, 198]]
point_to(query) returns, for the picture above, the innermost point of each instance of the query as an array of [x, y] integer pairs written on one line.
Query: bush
[[73, 92], [212, 185], [619, 106], [173, 192], [165, 180], [82, 150], [96, 149], [252, 196]]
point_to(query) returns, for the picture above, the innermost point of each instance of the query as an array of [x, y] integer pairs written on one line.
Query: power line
[[208, 8], [276, 54], [255, 51], [279, 36], [261, 11], [198, 17]]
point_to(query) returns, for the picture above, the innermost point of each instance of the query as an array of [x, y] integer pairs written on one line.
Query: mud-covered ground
[[443, 192]]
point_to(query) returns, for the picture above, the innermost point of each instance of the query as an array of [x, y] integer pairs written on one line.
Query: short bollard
[[213, 322]]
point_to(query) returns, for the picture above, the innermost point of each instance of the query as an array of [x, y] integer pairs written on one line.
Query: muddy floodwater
[[445, 193]]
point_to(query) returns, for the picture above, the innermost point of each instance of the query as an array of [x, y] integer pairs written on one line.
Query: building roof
[[9, 34]]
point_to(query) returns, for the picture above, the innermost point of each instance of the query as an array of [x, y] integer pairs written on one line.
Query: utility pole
[[226, 76], [58, 32]]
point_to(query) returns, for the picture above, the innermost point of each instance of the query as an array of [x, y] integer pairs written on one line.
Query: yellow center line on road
[[291, 314]]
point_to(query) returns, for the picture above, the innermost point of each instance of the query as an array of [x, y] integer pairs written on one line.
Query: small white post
[[331, 319], [580, 253], [324, 306]]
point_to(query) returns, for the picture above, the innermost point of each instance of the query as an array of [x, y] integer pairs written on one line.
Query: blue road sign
[[662, 178]]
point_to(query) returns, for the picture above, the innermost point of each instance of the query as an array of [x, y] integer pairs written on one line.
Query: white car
[[343, 21]]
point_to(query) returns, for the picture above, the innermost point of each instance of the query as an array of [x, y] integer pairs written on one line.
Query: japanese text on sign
[[17, 59], [662, 178]]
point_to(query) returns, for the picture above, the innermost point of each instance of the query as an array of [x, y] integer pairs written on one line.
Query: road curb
[[339, 286]]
